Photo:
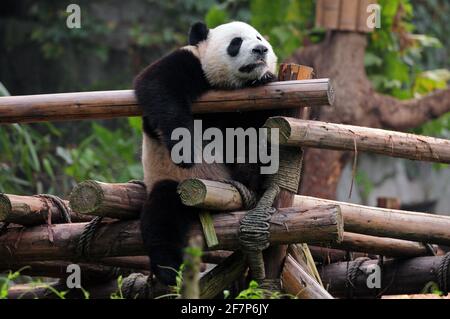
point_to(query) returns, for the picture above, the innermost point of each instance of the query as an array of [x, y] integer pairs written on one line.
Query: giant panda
[[229, 56]]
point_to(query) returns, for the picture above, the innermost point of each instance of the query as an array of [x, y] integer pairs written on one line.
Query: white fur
[[221, 69], [158, 166]]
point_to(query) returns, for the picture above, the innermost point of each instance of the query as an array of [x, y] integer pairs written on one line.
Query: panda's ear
[[199, 32]]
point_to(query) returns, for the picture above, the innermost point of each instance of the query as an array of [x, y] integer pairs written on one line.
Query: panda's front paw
[[267, 78]]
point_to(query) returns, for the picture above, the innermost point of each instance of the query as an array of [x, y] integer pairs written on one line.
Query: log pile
[[98, 229]]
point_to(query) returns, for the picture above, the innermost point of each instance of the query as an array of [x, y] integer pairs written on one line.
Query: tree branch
[[403, 115]]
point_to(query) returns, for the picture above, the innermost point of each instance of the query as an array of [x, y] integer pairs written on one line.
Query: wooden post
[[110, 104], [274, 256], [301, 133], [297, 282], [389, 202], [223, 275], [33, 210], [320, 225]]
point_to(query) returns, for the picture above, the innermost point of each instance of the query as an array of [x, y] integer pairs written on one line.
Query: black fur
[[165, 91], [165, 221], [199, 32], [234, 47]]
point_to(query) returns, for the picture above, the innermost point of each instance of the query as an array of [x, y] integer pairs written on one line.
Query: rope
[[430, 249], [63, 209], [442, 273], [84, 243], [254, 231], [135, 286], [352, 273], [248, 196]]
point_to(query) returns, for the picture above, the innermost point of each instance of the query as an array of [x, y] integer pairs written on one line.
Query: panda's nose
[[260, 50]]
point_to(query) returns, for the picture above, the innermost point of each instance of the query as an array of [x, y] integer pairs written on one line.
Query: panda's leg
[[165, 223]]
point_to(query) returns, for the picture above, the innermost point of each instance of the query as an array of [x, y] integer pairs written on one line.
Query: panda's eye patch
[[234, 46], [258, 38]]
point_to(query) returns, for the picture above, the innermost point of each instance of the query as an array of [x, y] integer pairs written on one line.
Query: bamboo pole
[[295, 132], [381, 245], [384, 222], [319, 225], [110, 104], [33, 210], [122, 200], [399, 276], [297, 282]]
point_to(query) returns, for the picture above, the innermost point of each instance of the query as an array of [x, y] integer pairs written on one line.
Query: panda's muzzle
[[252, 66]]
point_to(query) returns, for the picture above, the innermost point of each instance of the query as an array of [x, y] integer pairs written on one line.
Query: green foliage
[[106, 155], [255, 292], [7, 281]]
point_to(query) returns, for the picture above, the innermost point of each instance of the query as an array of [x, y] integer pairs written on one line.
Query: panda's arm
[[165, 91]]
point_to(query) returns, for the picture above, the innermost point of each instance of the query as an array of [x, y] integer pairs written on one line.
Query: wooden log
[[327, 256], [295, 132], [381, 246], [209, 194], [110, 104], [90, 272], [421, 227], [319, 225], [33, 210], [297, 282], [399, 276], [122, 200], [213, 283]]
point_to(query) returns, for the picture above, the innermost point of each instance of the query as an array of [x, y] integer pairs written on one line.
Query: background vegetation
[[407, 57]]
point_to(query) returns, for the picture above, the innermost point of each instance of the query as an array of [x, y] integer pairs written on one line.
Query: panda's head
[[232, 54]]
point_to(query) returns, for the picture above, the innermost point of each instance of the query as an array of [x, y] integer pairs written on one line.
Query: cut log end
[[5, 207], [192, 192], [330, 94], [283, 125], [86, 197]]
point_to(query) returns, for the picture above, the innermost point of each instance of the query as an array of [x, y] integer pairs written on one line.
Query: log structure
[[110, 104], [295, 132], [319, 225], [357, 218], [361, 233]]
